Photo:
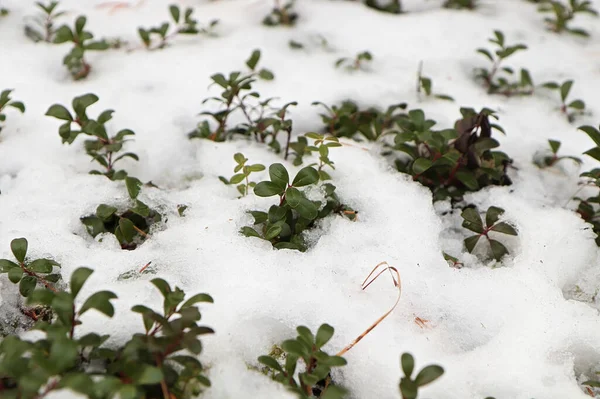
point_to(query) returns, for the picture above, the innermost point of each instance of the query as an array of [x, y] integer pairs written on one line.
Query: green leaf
[[505, 228], [105, 212], [408, 388], [592, 132], [101, 302], [271, 363], [468, 179], [41, 296], [470, 242], [196, 299], [293, 197], [220, 80], [498, 249], [27, 285], [307, 209], [80, 24], [253, 60], [268, 189], [577, 104], [148, 375], [15, 274], [492, 215], [18, 105], [421, 165], [324, 334], [133, 186], [81, 103], [78, 278], [554, 145], [249, 232], [294, 347], [6, 265], [42, 265], [408, 364], [99, 45], [235, 179], [273, 231], [175, 13], [472, 220], [265, 74], [63, 35], [565, 88], [279, 175], [307, 175], [127, 228], [428, 375], [18, 246]]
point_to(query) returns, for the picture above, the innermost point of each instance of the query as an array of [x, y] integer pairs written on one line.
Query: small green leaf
[[127, 228], [133, 186], [18, 246], [324, 334], [293, 197], [421, 165], [505, 228], [472, 220], [468, 179], [498, 249], [235, 179], [148, 375], [471, 242], [253, 60], [554, 145], [428, 375], [101, 302], [27, 285], [42, 265], [565, 88], [15, 274], [197, 299], [175, 13], [105, 212], [268, 189], [271, 363], [6, 265], [249, 232], [408, 364], [266, 74], [279, 175], [492, 215], [273, 231], [78, 278], [307, 209], [307, 175], [577, 104], [592, 132]]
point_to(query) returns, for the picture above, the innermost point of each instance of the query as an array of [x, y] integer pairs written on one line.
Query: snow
[[527, 329]]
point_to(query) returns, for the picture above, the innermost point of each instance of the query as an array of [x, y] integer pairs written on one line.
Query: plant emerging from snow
[[563, 14], [409, 387], [553, 158], [425, 84], [460, 4], [7, 101], [569, 108], [496, 78], [103, 149], [242, 174], [183, 25], [588, 207], [82, 41], [42, 26], [359, 62], [472, 221], [282, 14], [153, 364]]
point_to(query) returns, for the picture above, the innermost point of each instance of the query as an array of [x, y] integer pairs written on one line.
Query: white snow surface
[[515, 331]]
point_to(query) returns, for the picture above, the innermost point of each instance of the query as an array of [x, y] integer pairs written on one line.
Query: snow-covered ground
[[527, 329]]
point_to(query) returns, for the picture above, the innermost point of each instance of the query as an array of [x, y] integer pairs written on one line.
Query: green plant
[[82, 41], [425, 84], [181, 26], [356, 63], [7, 101], [42, 26], [572, 108], [496, 79], [409, 387], [451, 161], [553, 158], [285, 222], [321, 145], [261, 120], [130, 227], [460, 4], [389, 6], [26, 272], [315, 379], [242, 178], [348, 120], [472, 221], [565, 13], [588, 207], [282, 14], [152, 365], [452, 261], [103, 149], [4, 12]]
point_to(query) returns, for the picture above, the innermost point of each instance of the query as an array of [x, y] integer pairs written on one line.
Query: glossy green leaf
[[279, 175], [492, 215], [471, 242], [498, 249], [101, 302], [408, 364], [428, 375], [324, 334], [307, 175], [505, 228], [27, 285], [268, 189], [78, 278], [472, 220], [18, 246]]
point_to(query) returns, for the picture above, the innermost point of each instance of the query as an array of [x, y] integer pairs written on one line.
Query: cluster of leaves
[[281, 14], [497, 78], [185, 25], [553, 157], [42, 27], [242, 174], [452, 161], [315, 380], [82, 41], [425, 84], [389, 6], [569, 108], [461, 4], [321, 146], [348, 120], [103, 149], [409, 387], [472, 221], [588, 208], [7, 101], [285, 222], [152, 365], [563, 14], [359, 62], [261, 120], [130, 227]]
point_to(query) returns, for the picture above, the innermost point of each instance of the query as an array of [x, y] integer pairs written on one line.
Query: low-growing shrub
[[41, 27], [359, 62], [82, 41], [282, 14], [242, 174], [7, 101], [553, 158], [104, 150], [472, 221], [409, 387], [182, 25], [563, 14], [389, 6], [569, 108], [588, 207]]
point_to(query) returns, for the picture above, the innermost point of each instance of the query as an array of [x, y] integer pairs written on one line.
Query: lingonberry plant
[[321, 145], [569, 108], [131, 226], [105, 150], [389, 6], [315, 379], [29, 273], [152, 365], [451, 161], [424, 84], [461, 4], [409, 387], [182, 25], [497, 79], [359, 62], [282, 14], [41, 27], [563, 14], [472, 221], [82, 41], [546, 160], [242, 174], [294, 213], [7, 101], [588, 208]]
